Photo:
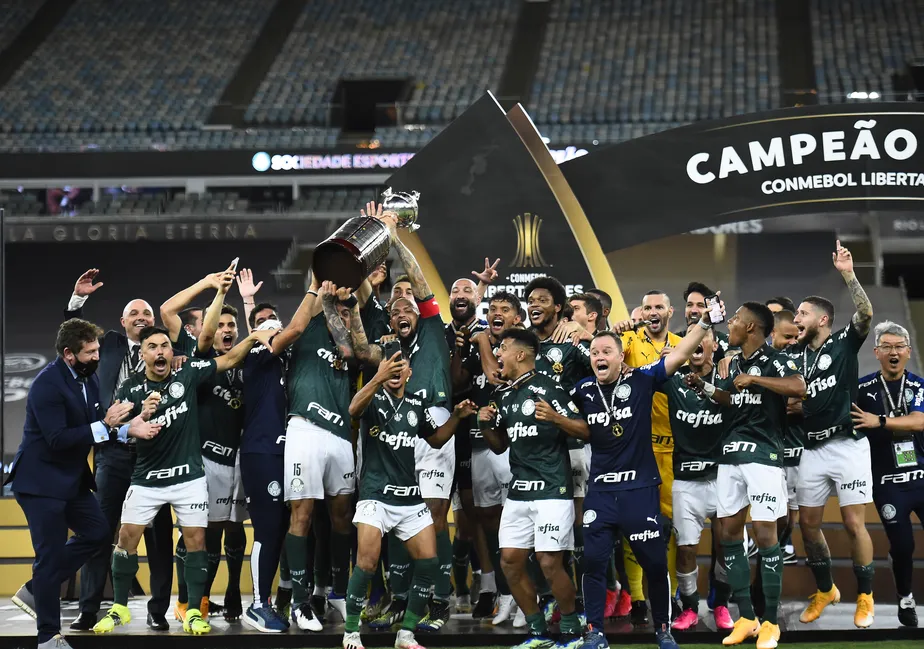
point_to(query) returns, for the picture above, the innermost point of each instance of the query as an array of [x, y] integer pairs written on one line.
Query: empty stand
[[131, 66], [452, 51], [14, 15], [859, 44]]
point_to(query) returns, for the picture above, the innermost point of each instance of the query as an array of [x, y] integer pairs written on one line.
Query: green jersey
[[480, 392], [429, 358], [793, 441], [567, 364], [221, 414], [172, 456], [374, 318], [698, 427], [757, 416], [186, 343], [318, 380], [389, 430], [831, 377], [539, 459]]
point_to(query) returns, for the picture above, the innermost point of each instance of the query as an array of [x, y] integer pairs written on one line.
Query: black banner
[[483, 195], [792, 161]]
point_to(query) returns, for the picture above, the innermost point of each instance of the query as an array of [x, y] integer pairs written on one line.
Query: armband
[[708, 389], [428, 307], [704, 323], [350, 302]]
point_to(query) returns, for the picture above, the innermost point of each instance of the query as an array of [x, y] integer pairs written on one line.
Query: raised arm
[[212, 313], [239, 352], [169, 310], [863, 316], [489, 364], [362, 349], [444, 433], [411, 267], [308, 309], [485, 278], [331, 296], [83, 289], [680, 354], [248, 291]]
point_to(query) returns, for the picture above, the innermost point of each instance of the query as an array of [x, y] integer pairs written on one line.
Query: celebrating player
[[836, 459]]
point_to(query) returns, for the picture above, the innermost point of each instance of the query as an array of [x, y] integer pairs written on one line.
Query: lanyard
[[611, 406], [523, 378], [394, 408], [747, 360], [902, 404], [805, 366]]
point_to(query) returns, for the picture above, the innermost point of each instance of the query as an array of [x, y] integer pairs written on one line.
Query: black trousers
[[114, 464], [56, 556]]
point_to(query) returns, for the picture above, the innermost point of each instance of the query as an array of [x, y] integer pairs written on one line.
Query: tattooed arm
[[330, 298], [364, 350], [412, 268], [863, 317]]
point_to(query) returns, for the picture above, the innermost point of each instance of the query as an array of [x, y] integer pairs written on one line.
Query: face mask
[[85, 370]]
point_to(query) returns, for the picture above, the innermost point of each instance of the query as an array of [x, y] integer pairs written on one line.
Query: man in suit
[[50, 476], [119, 359]]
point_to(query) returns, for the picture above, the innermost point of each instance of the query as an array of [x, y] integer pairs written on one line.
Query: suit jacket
[[56, 440], [113, 346]]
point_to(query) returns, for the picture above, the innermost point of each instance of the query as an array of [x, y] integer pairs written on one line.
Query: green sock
[[340, 547], [722, 593], [570, 624], [235, 542], [739, 576], [285, 577], [460, 551], [821, 568], [424, 573], [494, 550], [213, 550], [399, 569], [124, 568], [442, 587], [771, 572], [536, 624], [296, 553], [611, 574], [864, 575], [197, 574], [183, 596], [356, 597], [578, 556]]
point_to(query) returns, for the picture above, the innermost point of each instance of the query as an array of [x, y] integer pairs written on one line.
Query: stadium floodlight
[[863, 95]]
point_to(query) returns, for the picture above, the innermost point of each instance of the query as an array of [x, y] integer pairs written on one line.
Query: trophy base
[[348, 256]]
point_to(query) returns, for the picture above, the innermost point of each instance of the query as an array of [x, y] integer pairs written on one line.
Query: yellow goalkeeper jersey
[[641, 350]]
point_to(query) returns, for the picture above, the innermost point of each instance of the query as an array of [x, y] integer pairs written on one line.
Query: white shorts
[[227, 501], [317, 462], [792, 481], [436, 468], [543, 525], [406, 521], [841, 467], [580, 471], [490, 477], [694, 501], [761, 486], [190, 502]]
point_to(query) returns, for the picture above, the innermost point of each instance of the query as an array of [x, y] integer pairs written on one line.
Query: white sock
[[319, 591], [488, 585], [285, 583], [687, 582]]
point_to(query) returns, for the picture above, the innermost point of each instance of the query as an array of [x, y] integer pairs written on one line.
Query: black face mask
[[85, 370]]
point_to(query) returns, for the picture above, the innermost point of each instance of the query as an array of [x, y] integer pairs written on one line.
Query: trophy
[[350, 254]]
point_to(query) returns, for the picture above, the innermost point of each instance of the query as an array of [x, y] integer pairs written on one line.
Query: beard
[[463, 310]]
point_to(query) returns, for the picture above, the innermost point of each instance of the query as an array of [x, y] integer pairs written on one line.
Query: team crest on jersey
[[589, 516], [529, 407], [297, 485], [234, 404], [176, 390], [273, 489], [555, 355], [909, 395], [824, 362], [792, 366], [516, 407], [623, 391], [412, 418], [754, 371]]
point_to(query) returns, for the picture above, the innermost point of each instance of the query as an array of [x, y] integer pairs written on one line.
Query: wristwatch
[[882, 421]]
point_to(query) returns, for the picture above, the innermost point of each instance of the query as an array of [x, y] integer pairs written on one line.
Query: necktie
[[134, 363]]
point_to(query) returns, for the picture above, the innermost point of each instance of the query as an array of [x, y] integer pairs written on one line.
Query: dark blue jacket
[[113, 346], [56, 440]]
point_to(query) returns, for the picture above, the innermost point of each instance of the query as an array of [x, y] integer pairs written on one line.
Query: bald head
[[462, 298], [136, 315]]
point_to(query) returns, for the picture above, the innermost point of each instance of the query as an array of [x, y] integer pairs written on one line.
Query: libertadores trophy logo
[[528, 254]]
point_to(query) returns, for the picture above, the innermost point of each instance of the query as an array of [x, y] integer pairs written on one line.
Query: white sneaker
[[305, 619], [504, 609], [519, 620], [352, 641], [406, 640]]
